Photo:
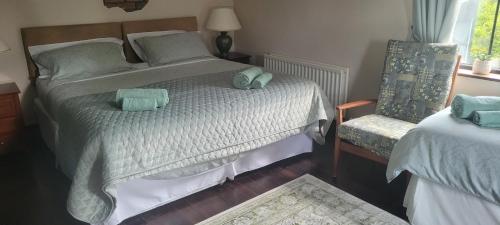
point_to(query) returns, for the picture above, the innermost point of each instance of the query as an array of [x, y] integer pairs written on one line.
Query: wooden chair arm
[[350, 105], [356, 104]]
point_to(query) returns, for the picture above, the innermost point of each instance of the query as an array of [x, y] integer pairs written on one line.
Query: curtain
[[434, 20]]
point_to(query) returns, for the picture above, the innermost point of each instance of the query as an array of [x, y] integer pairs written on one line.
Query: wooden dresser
[[11, 121]]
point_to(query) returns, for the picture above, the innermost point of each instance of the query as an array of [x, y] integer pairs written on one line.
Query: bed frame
[[66, 33]]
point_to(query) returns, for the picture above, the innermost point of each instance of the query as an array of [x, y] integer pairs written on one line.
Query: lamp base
[[224, 43]]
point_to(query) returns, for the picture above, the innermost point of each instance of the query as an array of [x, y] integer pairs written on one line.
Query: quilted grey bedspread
[[101, 146]]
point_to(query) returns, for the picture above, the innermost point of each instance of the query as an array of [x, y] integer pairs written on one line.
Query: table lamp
[[223, 20]]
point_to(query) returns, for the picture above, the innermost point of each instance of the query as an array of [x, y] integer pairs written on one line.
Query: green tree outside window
[[483, 30]]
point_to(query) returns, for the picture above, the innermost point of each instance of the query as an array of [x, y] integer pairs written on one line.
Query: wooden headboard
[[129, 27], [57, 34]]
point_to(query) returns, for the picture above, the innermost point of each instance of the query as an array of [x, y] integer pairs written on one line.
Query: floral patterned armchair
[[417, 81]]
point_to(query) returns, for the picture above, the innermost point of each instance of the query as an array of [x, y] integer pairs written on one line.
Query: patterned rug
[[305, 200]]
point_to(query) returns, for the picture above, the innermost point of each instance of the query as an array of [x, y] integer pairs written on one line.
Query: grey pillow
[[172, 48], [85, 59]]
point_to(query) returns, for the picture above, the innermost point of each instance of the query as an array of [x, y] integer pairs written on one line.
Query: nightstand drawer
[[8, 106], [11, 120], [10, 124]]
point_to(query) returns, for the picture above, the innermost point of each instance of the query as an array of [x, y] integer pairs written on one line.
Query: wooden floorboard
[[34, 192]]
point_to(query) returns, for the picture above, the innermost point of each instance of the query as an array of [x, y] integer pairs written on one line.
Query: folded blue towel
[[463, 106], [160, 95], [262, 80], [489, 119], [243, 79], [139, 104]]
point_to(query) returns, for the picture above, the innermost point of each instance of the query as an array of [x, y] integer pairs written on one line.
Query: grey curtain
[[434, 20]]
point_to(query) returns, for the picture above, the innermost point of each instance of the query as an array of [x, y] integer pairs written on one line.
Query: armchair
[[418, 80]]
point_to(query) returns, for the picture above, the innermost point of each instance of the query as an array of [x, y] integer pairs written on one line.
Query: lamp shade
[[223, 19], [3, 47]]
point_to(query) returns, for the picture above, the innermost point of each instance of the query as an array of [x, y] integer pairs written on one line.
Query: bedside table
[[237, 57], [11, 120]]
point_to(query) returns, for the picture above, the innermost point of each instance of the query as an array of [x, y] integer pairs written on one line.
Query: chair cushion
[[376, 133], [417, 79]]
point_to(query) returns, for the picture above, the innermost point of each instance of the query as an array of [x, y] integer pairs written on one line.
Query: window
[[478, 30]]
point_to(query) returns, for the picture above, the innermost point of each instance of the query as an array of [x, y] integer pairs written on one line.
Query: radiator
[[334, 80]]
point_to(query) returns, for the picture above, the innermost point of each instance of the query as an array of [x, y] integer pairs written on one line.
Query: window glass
[[477, 31], [464, 28]]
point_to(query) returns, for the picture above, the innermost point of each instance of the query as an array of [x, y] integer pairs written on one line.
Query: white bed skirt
[[141, 195], [431, 203]]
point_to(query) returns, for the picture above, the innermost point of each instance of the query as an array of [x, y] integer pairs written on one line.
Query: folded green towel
[[262, 80], [139, 104], [489, 119], [463, 105], [243, 79], [160, 95]]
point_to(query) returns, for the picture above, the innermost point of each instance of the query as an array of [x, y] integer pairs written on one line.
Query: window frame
[[467, 66]]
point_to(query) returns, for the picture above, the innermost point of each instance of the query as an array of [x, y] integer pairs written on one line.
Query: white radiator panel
[[334, 80]]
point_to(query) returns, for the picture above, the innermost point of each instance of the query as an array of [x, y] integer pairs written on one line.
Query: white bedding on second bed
[[430, 203], [455, 171], [453, 152]]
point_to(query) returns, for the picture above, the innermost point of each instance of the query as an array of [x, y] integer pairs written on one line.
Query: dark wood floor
[[33, 192]]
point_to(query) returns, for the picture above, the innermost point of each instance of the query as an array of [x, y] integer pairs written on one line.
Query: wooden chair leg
[[336, 156], [336, 148]]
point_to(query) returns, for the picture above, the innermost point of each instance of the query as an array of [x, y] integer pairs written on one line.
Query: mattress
[[428, 202], [101, 147]]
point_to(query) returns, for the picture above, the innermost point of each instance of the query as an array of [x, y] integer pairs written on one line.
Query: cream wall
[[15, 14], [351, 33], [473, 86]]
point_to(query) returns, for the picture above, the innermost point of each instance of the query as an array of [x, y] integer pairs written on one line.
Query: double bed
[[454, 166], [124, 163]]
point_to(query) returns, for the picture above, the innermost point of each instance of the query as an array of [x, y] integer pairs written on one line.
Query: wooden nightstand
[[238, 57], [11, 120]]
